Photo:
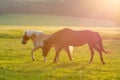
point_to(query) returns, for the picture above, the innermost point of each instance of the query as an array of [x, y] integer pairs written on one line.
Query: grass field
[[16, 63]]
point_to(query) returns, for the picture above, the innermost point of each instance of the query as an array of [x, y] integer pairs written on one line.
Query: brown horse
[[38, 38], [67, 37]]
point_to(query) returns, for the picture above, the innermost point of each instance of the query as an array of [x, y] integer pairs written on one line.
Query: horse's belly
[[73, 43], [78, 44]]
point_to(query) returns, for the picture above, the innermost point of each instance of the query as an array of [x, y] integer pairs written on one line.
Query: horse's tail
[[100, 44]]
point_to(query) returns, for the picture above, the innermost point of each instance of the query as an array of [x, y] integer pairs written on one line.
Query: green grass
[[16, 63]]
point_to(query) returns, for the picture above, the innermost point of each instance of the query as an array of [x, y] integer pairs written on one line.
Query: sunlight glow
[[107, 8], [112, 6]]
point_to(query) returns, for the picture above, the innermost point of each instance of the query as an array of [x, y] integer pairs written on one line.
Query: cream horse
[[38, 38]]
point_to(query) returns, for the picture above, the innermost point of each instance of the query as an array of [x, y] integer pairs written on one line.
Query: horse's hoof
[[90, 62], [44, 60], [71, 59], [33, 59], [55, 62], [103, 63]]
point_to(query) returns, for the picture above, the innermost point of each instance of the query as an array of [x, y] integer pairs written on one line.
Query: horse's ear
[[25, 32]]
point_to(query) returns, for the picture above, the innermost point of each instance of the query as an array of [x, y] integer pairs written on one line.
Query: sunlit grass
[[16, 63]]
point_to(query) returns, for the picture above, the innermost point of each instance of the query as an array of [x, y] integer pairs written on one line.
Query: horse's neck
[[44, 37], [33, 35], [47, 36], [40, 37]]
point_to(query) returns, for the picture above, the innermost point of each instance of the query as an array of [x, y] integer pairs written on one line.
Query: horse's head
[[25, 38], [46, 49], [31, 34]]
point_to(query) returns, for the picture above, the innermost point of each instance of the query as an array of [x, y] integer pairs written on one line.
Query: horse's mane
[[29, 33]]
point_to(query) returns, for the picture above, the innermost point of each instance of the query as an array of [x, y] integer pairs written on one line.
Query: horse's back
[[69, 34], [72, 37]]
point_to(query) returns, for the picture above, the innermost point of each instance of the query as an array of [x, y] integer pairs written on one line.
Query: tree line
[[60, 7]]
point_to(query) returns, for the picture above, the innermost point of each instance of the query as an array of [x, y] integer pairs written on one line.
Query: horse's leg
[[100, 52], [67, 49], [32, 53], [57, 49], [45, 59], [92, 53]]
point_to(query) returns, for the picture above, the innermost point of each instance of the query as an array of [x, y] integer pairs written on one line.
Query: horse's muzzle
[[23, 42]]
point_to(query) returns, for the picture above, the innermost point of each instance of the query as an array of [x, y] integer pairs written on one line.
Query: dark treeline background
[[60, 7], [80, 8]]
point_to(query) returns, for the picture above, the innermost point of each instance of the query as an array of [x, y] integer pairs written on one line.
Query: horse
[[38, 38], [68, 37]]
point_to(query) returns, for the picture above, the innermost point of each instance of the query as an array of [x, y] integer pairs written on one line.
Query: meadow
[[16, 63]]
